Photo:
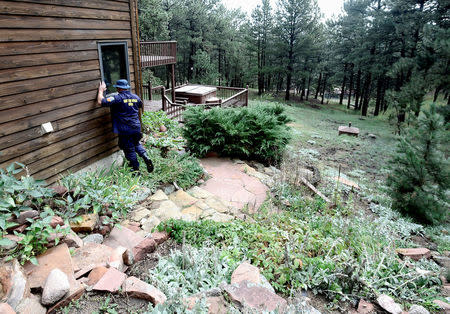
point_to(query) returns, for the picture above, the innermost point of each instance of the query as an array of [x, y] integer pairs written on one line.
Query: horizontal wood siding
[[49, 72]]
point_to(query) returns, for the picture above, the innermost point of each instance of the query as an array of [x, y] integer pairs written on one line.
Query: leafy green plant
[[169, 139], [184, 169], [258, 132], [107, 307]]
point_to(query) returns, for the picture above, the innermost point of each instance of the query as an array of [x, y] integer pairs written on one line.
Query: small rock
[[104, 230], [160, 237], [169, 189], [31, 305], [182, 199], [93, 238], [201, 181], [96, 274], [59, 190], [365, 307], [28, 214], [116, 259], [19, 229], [423, 272], [193, 211], [442, 261], [56, 221], [13, 240], [311, 142], [418, 309], [443, 305], [159, 196], [87, 224], [372, 136], [111, 281], [167, 210], [218, 217], [389, 305], [128, 257], [5, 308], [254, 296], [144, 247], [246, 272], [150, 223], [217, 204], [55, 287], [415, 253], [14, 286], [139, 214], [138, 289], [349, 130], [199, 192], [72, 240], [89, 256], [162, 128]]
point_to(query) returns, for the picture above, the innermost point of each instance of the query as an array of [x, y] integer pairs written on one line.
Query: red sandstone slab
[[110, 281], [90, 256], [122, 236], [348, 130]]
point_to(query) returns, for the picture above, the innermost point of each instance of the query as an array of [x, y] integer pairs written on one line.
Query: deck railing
[[154, 53], [228, 97]]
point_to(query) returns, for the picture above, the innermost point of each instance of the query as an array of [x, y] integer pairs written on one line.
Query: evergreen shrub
[[258, 132], [419, 178]]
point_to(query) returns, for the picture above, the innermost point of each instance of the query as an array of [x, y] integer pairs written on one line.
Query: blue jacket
[[124, 112]]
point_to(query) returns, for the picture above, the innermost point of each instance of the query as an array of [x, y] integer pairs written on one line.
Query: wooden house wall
[[49, 72]]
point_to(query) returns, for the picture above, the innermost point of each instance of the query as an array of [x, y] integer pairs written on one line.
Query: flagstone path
[[232, 189]]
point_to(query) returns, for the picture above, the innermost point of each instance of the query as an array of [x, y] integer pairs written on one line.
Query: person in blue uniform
[[125, 108]]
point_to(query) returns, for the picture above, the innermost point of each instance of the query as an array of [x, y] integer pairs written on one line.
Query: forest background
[[376, 55]]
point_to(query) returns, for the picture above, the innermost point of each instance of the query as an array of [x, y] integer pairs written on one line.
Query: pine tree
[[420, 179]]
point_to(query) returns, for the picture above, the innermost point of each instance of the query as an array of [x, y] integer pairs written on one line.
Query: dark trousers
[[130, 146]]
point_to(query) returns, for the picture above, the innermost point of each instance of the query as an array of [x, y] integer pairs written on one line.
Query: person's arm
[[101, 90]]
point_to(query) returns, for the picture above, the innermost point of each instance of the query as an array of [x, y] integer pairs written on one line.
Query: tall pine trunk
[[309, 86], [344, 81], [358, 89], [367, 85], [350, 87], [378, 101], [319, 82], [324, 87]]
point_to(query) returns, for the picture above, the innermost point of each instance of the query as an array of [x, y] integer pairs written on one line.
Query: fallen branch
[[312, 188]]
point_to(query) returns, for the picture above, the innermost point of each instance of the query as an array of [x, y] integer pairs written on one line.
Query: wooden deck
[[156, 53]]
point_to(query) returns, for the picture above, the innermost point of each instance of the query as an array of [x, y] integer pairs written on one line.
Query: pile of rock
[[193, 204], [95, 264]]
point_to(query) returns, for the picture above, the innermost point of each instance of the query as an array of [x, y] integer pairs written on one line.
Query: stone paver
[[235, 183]]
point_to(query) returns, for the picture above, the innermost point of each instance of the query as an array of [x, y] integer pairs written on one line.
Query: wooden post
[[173, 83], [163, 98], [149, 90], [246, 98]]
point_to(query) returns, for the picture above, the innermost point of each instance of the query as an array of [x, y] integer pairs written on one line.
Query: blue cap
[[123, 84]]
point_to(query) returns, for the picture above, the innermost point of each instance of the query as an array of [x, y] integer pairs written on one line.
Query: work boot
[[148, 162]]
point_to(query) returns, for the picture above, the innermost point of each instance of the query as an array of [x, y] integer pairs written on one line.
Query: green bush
[[257, 132], [170, 139], [420, 176]]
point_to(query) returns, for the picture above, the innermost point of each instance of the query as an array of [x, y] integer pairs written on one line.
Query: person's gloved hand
[[102, 86]]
